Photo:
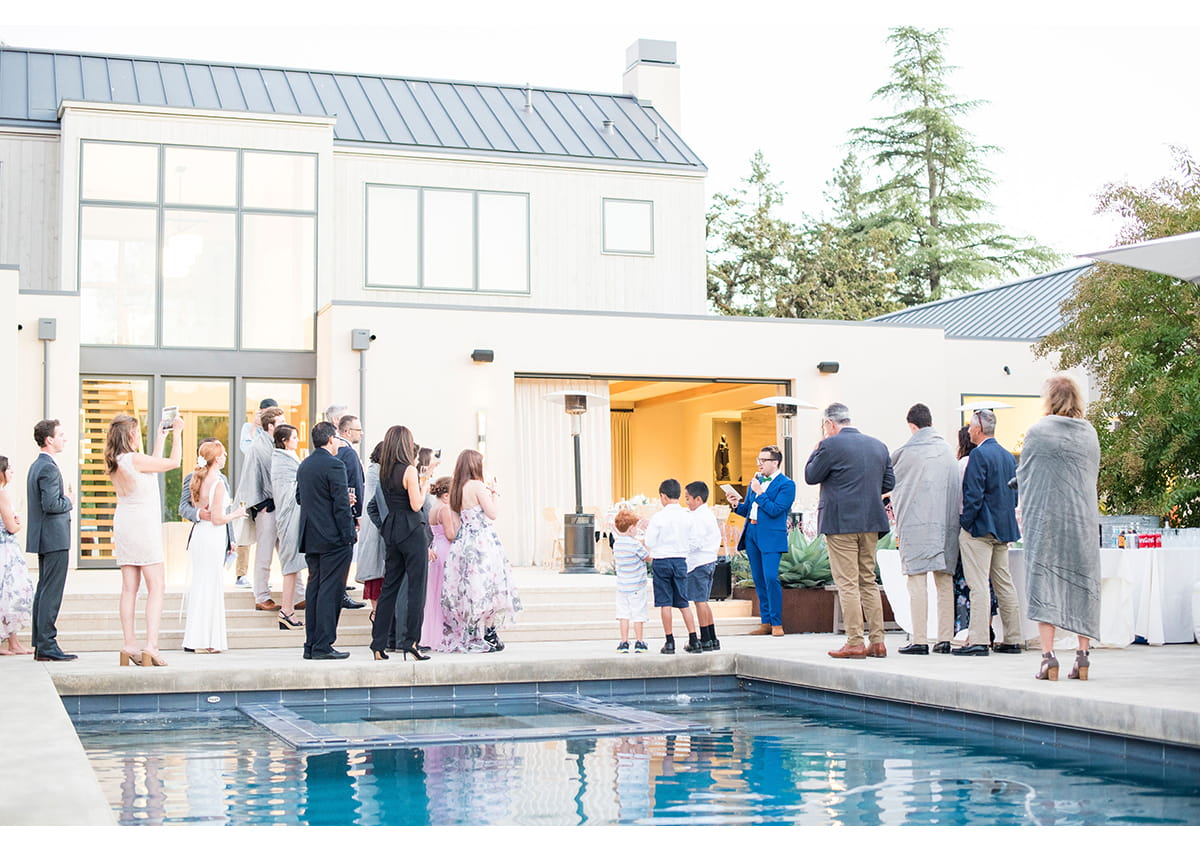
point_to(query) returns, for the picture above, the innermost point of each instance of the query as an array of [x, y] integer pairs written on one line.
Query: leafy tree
[[761, 265], [747, 263], [1138, 334], [934, 198]]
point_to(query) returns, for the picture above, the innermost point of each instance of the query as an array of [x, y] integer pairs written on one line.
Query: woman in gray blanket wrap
[[1056, 479]]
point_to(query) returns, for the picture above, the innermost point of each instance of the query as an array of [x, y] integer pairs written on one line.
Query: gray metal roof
[[370, 109], [1022, 310]]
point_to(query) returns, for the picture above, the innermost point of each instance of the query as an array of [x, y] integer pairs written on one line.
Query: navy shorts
[[670, 582], [699, 582]]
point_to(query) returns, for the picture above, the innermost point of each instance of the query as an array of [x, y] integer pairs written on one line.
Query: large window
[[197, 247], [447, 239]]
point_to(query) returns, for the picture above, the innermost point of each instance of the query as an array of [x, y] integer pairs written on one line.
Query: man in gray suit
[[854, 471], [49, 536]]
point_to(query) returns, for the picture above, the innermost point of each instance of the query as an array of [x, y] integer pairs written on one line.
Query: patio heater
[[579, 540], [786, 408]]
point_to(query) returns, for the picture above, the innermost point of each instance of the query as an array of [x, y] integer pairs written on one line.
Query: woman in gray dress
[[284, 463], [1060, 462]]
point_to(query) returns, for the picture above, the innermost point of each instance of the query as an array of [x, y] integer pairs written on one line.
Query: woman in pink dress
[[443, 522]]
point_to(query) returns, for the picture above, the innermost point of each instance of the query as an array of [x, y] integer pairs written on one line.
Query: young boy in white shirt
[[667, 537], [703, 545], [633, 600]]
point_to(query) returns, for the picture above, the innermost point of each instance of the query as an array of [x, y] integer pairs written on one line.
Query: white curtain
[[546, 458]]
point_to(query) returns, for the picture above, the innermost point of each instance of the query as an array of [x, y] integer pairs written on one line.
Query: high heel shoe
[[1049, 669], [150, 659], [289, 622], [128, 658], [414, 650], [380, 656], [1080, 669], [490, 636]]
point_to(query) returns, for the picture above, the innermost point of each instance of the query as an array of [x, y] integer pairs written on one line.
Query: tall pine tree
[[934, 195]]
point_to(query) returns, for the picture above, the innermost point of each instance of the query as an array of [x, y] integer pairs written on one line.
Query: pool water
[[759, 760]]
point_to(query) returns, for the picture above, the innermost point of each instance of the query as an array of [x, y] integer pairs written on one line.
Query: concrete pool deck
[[1150, 693]]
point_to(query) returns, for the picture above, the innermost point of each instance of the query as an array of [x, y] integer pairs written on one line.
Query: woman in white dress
[[137, 527], [204, 630]]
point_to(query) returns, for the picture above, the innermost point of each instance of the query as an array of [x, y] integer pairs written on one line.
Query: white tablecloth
[[1142, 592]]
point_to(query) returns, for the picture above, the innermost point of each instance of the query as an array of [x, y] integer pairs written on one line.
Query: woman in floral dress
[[16, 589], [477, 590]]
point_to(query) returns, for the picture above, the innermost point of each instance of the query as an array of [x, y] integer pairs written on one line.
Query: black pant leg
[[394, 568], [334, 565], [47, 600], [418, 567]]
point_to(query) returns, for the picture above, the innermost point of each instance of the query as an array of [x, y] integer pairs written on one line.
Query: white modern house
[[206, 235]]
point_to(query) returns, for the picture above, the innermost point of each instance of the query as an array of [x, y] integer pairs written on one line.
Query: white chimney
[[652, 74]]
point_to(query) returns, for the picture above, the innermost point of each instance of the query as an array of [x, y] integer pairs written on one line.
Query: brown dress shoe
[[776, 630], [300, 605], [850, 651], [878, 650], [761, 629], [266, 606]]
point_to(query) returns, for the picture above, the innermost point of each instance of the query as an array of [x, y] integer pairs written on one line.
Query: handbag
[[243, 532]]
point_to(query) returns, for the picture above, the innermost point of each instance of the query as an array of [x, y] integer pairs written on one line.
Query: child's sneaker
[[623, 647], [640, 647]]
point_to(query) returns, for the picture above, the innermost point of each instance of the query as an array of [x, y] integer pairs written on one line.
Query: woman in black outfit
[[406, 543]]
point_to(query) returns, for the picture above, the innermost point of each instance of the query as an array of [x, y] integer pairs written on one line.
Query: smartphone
[[169, 413], [437, 453]]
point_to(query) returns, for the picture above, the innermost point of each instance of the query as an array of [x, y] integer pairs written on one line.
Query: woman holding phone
[[137, 526]]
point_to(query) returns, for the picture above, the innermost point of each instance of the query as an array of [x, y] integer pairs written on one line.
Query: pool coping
[[1129, 704]]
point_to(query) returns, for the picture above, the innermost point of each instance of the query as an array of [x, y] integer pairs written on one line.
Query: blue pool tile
[[474, 691], [226, 700], [516, 689], [137, 703], [665, 685], [632, 688], [1080, 740], [977, 724], [97, 703], [71, 704], [442, 693], [596, 688], [388, 694], [347, 695], [178, 702], [301, 696], [256, 697]]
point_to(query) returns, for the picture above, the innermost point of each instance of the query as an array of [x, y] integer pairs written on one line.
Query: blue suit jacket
[[989, 504], [854, 472], [774, 504]]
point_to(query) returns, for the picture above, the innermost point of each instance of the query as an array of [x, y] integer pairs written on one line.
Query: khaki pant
[[986, 559], [852, 560], [918, 601]]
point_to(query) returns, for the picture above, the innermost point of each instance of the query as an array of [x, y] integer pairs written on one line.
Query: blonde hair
[[120, 440], [1061, 396], [209, 452]]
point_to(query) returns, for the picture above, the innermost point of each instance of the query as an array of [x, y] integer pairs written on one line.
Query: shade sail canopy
[[1177, 256]]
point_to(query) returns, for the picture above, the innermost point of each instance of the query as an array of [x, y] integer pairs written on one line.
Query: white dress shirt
[[668, 532], [705, 540]]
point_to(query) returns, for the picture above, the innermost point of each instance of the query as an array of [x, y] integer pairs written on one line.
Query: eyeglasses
[[764, 460]]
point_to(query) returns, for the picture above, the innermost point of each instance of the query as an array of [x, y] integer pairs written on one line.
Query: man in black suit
[[49, 536], [854, 471], [327, 539]]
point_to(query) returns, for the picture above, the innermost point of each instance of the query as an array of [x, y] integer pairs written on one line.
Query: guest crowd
[[434, 571]]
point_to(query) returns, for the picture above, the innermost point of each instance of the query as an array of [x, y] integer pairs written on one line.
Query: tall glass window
[[160, 228], [447, 239]]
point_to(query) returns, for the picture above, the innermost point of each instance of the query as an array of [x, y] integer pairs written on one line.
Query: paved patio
[[1150, 693]]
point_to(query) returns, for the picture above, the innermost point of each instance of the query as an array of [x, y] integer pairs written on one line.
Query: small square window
[[628, 226]]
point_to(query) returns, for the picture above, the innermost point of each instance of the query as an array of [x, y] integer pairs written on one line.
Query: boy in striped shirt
[[633, 603]]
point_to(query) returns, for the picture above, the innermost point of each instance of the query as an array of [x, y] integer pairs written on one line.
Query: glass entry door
[[204, 405]]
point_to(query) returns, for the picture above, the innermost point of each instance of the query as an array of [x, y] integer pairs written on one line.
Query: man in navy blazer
[[764, 538], [327, 537], [989, 524], [854, 472], [49, 535]]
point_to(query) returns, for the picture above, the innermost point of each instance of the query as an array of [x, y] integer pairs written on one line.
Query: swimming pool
[[721, 757]]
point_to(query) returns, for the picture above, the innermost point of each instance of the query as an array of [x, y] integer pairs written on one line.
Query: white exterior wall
[[419, 374], [567, 267], [29, 206], [976, 367]]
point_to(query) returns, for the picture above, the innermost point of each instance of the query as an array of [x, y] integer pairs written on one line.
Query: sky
[[1075, 95]]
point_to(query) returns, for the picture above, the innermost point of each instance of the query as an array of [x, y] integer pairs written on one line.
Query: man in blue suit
[[989, 524], [854, 472], [764, 538], [48, 535]]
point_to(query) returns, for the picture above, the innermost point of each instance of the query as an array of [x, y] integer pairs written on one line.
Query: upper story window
[[197, 247], [447, 239], [628, 226]]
